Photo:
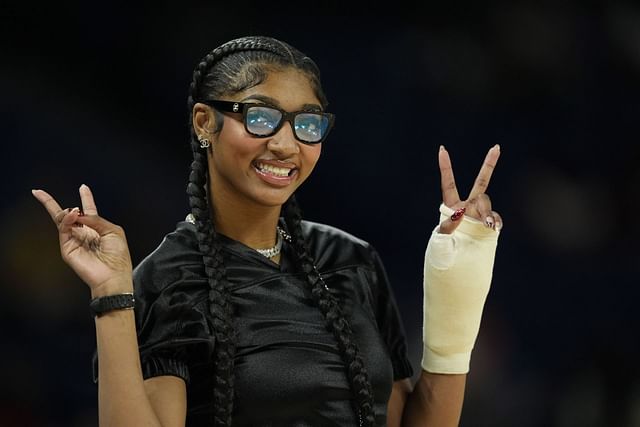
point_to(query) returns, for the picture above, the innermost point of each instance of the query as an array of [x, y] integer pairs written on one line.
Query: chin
[[273, 200]]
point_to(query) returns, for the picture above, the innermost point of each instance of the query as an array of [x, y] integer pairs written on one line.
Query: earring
[[204, 142]]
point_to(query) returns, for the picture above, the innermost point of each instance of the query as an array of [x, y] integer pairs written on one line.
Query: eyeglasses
[[309, 127]]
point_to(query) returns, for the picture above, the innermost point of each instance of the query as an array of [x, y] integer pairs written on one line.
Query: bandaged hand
[[457, 275], [458, 268]]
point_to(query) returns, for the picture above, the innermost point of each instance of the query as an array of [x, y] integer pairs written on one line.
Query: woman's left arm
[[457, 276]]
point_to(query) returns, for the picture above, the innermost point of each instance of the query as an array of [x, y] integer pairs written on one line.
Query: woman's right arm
[[124, 399], [97, 251]]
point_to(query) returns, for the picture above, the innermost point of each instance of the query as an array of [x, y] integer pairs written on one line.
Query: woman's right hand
[[92, 246]]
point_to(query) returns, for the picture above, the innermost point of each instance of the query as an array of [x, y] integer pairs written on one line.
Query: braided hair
[[231, 68]]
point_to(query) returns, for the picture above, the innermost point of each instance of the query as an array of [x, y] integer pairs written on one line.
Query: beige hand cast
[[92, 246], [458, 268]]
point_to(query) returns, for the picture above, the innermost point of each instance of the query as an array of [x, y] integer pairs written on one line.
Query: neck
[[245, 221]]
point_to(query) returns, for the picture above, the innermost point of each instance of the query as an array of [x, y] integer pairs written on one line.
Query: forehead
[[290, 88]]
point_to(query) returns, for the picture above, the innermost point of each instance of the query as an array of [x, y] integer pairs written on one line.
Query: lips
[[275, 172]]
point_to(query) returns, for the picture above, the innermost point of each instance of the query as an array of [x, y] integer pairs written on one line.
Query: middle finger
[[88, 204], [484, 176]]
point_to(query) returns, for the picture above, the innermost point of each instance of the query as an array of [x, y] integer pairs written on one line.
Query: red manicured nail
[[458, 214]]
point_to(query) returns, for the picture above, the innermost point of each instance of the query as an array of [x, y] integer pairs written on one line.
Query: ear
[[203, 120]]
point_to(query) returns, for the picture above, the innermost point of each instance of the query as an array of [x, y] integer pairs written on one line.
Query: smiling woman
[[247, 315], [265, 173]]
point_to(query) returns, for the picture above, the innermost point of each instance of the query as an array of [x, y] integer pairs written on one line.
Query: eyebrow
[[274, 102]]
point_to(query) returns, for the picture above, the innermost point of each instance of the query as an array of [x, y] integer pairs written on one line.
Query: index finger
[[49, 203], [450, 196], [484, 176], [88, 204]]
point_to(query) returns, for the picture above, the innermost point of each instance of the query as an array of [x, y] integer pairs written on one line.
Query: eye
[[311, 126], [262, 120]]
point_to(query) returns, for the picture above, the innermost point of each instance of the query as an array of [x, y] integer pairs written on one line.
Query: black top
[[288, 368]]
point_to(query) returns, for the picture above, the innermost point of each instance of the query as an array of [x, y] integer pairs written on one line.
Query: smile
[[273, 170], [277, 176]]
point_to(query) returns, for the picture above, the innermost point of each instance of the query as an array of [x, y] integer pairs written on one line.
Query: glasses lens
[[311, 127], [262, 121]]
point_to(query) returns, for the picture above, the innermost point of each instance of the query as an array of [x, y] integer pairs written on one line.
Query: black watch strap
[[102, 305]]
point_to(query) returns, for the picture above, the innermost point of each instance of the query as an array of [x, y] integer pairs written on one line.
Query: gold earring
[[204, 142]]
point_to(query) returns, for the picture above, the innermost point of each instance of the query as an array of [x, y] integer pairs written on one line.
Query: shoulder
[[322, 233], [334, 248], [176, 258], [171, 306]]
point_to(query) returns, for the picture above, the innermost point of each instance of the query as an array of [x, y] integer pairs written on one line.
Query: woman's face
[[264, 171]]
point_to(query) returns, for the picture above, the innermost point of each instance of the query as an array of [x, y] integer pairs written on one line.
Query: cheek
[[235, 144], [245, 148], [310, 154]]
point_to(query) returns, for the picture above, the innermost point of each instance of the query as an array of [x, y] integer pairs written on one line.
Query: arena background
[[97, 94]]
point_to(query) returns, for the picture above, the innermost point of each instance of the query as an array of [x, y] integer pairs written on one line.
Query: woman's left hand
[[478, 204], [458, 268]]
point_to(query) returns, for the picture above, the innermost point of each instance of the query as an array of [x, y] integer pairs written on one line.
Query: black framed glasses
[[261, 120]]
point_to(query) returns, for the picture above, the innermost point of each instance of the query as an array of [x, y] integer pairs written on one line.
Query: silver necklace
[[268, 252], [275, 250]]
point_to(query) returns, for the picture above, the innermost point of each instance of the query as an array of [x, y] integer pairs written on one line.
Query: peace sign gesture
[[478, 204], [457, 271], [92, 246]]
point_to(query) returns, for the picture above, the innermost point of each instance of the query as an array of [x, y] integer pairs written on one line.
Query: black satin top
[[288, 368]]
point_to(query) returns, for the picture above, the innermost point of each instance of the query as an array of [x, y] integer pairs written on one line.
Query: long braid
[[220, 306], [260, 50], [336, 322]]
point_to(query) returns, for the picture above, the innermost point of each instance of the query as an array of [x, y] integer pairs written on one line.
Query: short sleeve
[[171, 303], [389, 321], [173, 334]]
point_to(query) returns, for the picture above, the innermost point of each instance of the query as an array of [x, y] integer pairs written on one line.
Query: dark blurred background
[[97, 94]]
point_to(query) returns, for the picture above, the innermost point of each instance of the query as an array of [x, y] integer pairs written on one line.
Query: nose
[[283, 143]]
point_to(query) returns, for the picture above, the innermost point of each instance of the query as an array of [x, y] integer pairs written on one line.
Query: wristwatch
[[102, 305]]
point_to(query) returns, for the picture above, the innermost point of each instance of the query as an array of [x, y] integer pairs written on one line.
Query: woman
[[246, 314]]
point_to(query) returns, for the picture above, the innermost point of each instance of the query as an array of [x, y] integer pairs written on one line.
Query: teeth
[[274, 170]]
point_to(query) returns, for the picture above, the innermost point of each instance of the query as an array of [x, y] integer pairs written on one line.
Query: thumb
[[100, 225], [449, 225]]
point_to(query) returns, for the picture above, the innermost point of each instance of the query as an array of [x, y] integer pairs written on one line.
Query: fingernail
[[458, 214], [498, 226], [489, 222], [80, 212], [442, 148]]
